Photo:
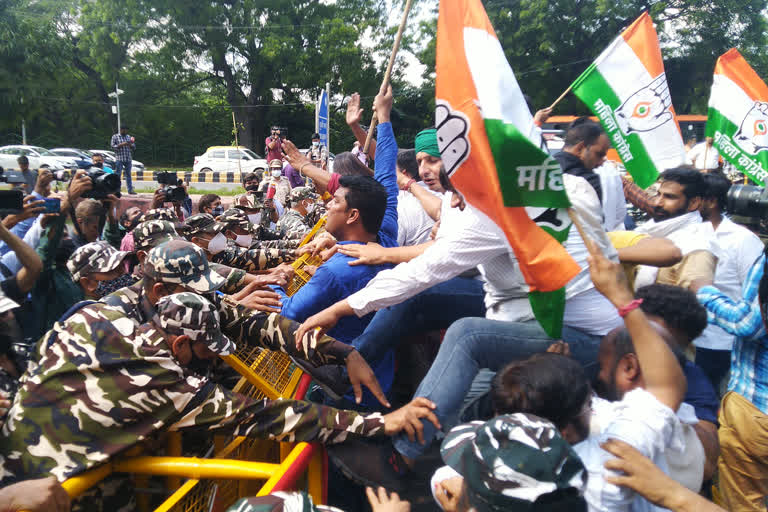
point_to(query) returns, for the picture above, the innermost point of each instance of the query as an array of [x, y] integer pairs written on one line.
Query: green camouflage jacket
[[105, 384], [292, 225], [243, 326], [252, 259]]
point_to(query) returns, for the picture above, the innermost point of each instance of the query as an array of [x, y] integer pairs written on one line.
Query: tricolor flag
[[626, 88], [738, 116], [484, 133]]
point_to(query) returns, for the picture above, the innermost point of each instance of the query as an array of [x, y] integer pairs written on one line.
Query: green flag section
[[492, 155], [738, 116], [626, 88]]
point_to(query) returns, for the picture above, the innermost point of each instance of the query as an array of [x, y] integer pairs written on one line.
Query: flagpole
[[561, 96], [385, 82], [577, 222]]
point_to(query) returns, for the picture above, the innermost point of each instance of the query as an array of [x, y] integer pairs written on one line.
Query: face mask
[[277, 173], [217, 244], [100, 165], [244, 240], [254, 218], [252, 187], [217, 211], [315, 143], [442, 473], [310, 207]]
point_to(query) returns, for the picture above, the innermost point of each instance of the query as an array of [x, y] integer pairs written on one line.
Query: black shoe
[[371, 463]]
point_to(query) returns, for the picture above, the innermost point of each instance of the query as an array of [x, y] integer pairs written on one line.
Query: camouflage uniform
[[280, 502], [105, 384], [94, 257], [159, 214], [183, 263], [253, 258]]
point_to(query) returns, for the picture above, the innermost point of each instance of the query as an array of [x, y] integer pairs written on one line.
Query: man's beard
[[608, 391], [660, 214]]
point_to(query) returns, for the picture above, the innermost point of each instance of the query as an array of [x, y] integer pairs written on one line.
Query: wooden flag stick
[[561, 96], [385, 82], [577, 222], [234, 125]]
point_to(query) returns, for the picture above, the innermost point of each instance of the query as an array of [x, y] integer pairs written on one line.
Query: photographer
[[20, 223], [172, 190], [273, 145]]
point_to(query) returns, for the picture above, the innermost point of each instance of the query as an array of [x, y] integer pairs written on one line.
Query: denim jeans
[[433, 309], [474, 343], [119, 167]]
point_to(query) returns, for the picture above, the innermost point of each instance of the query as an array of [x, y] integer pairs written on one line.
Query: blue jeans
[[119, 167], [474, 343], [433, 309]]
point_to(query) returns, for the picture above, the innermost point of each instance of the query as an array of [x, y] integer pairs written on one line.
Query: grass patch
[[223, 191]]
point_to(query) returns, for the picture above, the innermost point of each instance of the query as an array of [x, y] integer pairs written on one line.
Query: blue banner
[[322, 118]]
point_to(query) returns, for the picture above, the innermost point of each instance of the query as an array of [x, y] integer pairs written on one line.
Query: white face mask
[[315, 143], [244, 240], [217, 244], [254, 218], [442, 473], [310, 207], [277, 173]]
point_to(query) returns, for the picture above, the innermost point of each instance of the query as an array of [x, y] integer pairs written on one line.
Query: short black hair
[[315, 136], [369, 197], [675, 305], [583, 130], [406, 161], [552, 386], [689, 178], [251, 176], [22, 160], [206, 201], [717, 187]]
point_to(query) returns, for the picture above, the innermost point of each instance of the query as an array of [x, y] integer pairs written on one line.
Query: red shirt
[[273, 154]]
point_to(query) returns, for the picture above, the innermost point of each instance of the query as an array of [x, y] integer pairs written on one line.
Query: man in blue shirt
[[362, 210]]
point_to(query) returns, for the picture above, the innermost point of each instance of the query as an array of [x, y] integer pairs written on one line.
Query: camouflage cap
[[235, 218], [159, 214], [509, 462], [94, 257], [184, 263], [190, 314], [202, 223], [300, 193], [152, 233], [247, 201]]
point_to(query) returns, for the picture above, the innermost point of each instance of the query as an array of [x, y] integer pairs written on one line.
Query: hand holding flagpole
[[388, 73]]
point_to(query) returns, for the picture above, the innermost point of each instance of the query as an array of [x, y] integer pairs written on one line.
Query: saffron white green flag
[[484, 131], [738, 116], [626, 88]]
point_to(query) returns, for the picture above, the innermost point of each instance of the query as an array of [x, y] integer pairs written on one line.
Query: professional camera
[[172, 186], [12, 177], [104, 184], [748, 205], [11, 201]]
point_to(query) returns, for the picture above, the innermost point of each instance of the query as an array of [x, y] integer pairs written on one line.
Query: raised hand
[[354, 112]]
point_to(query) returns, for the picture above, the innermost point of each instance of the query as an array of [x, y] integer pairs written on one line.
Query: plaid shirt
[[122, 153], [749, 357], [637, 196]]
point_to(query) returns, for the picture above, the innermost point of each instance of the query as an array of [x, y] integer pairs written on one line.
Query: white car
[[229, 159], [38, 157], [135, 164]]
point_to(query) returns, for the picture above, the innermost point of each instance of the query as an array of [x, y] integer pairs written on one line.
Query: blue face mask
[[217, 211]]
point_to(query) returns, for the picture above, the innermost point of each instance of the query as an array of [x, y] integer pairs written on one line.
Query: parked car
[[135, 164], [38, 157], [229, 159], [81, 158]]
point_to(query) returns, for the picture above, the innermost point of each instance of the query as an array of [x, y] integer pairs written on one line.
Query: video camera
[[11, 177], [172, 186], [104, 184], [748, 205]]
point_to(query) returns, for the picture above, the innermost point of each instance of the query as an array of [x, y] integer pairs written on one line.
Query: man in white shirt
[[704, 155], [414, 224], [739, 249]]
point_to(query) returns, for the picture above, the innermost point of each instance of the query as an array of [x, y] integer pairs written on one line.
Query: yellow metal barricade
[[301, 277]]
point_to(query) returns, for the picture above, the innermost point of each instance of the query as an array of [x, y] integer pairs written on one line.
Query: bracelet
[[408, 185], [625, 310], [301, 168]]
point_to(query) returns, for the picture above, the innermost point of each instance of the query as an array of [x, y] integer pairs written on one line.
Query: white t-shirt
[[414, 225], [697, 153], [614, 203], [641, 421], [739, 249]]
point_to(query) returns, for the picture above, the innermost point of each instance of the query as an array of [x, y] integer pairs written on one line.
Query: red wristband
[[408, 185], [624, 310]]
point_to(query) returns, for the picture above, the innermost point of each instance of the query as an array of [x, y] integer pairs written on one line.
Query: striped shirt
[[742, 318], [122, 153]]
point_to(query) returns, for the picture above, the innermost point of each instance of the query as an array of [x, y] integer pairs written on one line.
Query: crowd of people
[[415, 325]]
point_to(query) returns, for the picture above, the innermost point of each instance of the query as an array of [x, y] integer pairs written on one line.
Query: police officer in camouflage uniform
[[204, 231], [104, 383], [177, 266], [98, 268], [293, 224]]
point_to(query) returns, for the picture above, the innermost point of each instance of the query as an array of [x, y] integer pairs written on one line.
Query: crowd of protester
[[415, 325]]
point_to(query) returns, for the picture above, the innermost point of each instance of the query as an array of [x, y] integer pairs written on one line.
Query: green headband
[[426, 142]]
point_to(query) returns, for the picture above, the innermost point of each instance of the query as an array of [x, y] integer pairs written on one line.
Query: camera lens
[[748, 201]]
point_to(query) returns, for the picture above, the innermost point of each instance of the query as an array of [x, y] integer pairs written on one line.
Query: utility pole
[[116, 95], [23, 124]]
